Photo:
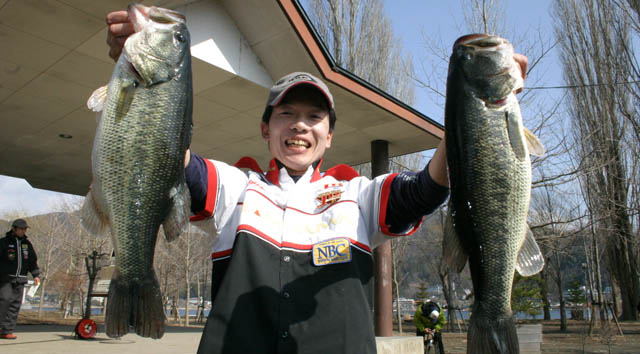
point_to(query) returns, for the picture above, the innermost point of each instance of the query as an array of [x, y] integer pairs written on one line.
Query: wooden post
[[382, 298]]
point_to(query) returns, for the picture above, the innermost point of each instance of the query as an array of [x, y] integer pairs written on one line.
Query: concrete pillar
[[383, 298]]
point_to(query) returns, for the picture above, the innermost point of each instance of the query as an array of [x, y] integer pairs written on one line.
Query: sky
[[443, 21], [411, 19]]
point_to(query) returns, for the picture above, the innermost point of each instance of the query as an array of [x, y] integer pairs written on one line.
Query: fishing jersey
[[292, 260]]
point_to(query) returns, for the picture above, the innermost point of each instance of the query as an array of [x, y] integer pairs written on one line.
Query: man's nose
[[299, 124]]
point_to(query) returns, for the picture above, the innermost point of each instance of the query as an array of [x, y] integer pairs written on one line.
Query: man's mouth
[[297, 143]]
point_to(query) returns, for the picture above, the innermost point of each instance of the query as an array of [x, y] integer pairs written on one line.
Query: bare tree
[[51, 236], [179, 263], [485, 16], [554, 223], [592, 35], [360, 37]]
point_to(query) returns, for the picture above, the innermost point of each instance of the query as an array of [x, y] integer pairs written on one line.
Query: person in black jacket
[[17, 257]]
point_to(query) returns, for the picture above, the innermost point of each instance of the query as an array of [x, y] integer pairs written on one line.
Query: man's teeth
[[297, 143]]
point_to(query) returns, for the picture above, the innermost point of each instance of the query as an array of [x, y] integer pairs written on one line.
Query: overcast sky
[[17, 196]]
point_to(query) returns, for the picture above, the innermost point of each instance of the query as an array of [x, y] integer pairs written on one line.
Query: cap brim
[[276, 101]]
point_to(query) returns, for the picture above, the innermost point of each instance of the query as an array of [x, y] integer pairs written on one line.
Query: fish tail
[[489, 336], [136, 303]]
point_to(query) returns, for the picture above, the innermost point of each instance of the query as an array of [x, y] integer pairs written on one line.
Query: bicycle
[[432, 343]]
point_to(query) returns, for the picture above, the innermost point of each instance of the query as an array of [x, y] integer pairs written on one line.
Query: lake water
[[555, 315], [97, 311]]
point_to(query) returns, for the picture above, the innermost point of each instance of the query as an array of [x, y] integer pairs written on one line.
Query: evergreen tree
[[525, 295], [422, 293], [576, 293]]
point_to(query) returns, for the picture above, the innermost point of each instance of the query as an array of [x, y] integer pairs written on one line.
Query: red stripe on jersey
[[384, 202], [212, 193]]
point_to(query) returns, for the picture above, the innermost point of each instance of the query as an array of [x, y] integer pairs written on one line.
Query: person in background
[[429, 319], [17, 258]]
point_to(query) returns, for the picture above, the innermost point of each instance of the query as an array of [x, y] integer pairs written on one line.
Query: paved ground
[[59, 339]]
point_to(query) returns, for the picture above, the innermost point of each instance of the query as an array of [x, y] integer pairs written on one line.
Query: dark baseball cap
[[280, 89], [20, 223]]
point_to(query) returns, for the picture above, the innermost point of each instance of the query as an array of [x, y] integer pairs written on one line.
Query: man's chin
[[295, 167]]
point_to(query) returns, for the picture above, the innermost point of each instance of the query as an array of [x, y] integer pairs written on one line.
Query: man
[[292, 258], [17, 258], [429, 319]]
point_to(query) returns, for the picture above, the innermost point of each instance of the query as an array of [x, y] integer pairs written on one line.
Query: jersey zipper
[[19, 255]]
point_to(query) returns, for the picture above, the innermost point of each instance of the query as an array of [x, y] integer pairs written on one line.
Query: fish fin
[[135, 303], [453, 254], [533, 143], [124, 97], [178, 218], [97, 99], [93, 219], [489, 335], [530, 260], [514, 129]]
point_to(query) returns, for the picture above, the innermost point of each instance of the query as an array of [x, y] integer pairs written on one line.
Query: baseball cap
[[20, 223], [280, 89]]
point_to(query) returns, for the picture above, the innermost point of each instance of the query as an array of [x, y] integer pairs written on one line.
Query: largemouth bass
[[138, 163], [490, 178]]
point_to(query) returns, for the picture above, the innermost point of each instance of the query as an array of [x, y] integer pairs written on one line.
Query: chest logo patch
[[330, 194], [335, 250]]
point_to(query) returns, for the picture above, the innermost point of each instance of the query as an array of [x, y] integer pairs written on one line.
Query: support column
[[382, 298]]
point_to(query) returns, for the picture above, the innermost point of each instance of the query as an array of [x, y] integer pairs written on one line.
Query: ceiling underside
[[55, 55]]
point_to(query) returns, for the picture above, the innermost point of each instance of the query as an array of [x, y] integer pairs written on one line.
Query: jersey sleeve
[[373, 200], [412, 195], [216, 188]]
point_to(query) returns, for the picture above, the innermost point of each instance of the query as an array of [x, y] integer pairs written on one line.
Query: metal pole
[[383, 298]]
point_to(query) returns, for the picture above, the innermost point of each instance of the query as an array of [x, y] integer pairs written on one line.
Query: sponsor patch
[[330, 194], [335, 250]]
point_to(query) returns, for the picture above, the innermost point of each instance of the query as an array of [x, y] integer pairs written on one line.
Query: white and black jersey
[[292, 260]]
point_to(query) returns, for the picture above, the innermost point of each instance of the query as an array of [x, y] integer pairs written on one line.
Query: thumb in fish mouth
[[523, 64]]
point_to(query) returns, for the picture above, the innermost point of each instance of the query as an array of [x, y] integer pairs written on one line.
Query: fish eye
[[179, 37]]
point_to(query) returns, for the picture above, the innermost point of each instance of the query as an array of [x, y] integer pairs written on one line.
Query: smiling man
[[292, 256], [292, 259]]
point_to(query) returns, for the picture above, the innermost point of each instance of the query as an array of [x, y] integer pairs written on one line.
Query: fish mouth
[[140, 15], [481, 41], [495, 104]]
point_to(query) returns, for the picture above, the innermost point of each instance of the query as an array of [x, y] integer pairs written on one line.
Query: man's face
[[18, 231], [298, 132]]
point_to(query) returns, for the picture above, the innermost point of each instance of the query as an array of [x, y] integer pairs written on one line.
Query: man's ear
[[264, 128], [328, 145]]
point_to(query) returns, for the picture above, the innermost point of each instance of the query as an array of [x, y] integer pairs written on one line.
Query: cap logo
[[299, 77]]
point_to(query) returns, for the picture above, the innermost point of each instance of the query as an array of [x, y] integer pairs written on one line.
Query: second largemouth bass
[[490, 178]]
